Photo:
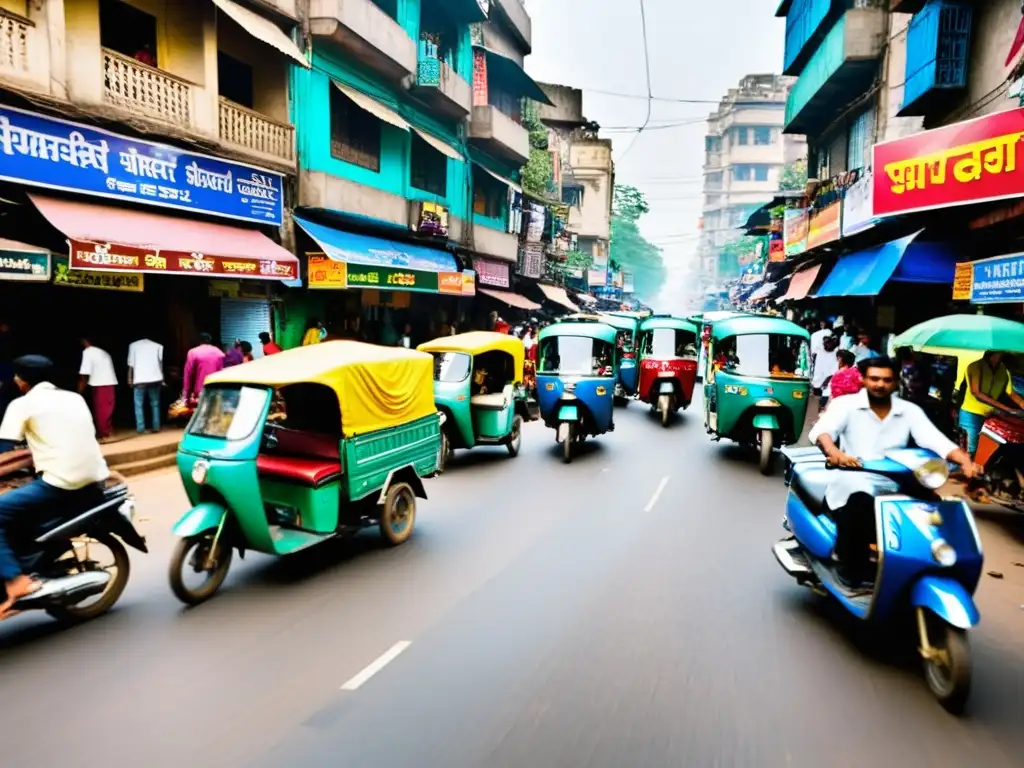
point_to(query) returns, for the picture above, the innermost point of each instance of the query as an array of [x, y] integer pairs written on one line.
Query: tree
[[794, 177], [630, 249], [538, 173]]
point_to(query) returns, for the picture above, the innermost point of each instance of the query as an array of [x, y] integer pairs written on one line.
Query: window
[[713, 180], [760, 173], [234, 80], [763, 136], [750, 172], [741, 136], [428, 168], [128, 31], [451, 367], [666, 343], [764, 355], [859, 138], [355, 133], [489, 194], [230, 413], [572, 195], [712, 143], [576, 356]]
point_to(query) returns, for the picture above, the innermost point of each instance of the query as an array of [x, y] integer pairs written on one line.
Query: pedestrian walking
[[97, 373]]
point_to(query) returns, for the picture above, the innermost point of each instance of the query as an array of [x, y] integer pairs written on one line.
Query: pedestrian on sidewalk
[[97, 373], [269, 347], [234, 355], [146, 380], [202, 360]]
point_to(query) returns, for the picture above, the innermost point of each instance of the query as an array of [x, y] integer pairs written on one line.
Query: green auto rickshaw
[[478, 386], [705, 321], [757, 383], [297, 448]]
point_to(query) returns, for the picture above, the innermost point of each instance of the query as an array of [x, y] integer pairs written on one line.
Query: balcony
[[367, 34], [247, 131], [438, 85], [807, 22], [519, 20], [495, 243], [288, 8], [499, 134], [938, 46], [842, 68], [906, 6], [21, 53], [147, 91]]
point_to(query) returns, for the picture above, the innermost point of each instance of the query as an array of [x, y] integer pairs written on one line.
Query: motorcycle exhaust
[[66, 590]]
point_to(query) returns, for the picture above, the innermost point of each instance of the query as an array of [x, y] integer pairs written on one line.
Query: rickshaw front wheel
[[398, 514], [766, 451], [515, 437], [567, 443], [192, 552]]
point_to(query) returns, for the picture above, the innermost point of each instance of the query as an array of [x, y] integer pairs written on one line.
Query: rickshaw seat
[[296, 442], [311, 472], [493, 402]]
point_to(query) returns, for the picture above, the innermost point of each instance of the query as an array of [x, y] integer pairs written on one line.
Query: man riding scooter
[[59, 430], [862, 427]]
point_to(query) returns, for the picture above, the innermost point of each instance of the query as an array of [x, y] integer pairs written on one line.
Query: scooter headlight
[[943, 553], [932, 474], [199, 472]]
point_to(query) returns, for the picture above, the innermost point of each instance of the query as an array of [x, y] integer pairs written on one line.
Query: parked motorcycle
[[929, 557], [62, 548]]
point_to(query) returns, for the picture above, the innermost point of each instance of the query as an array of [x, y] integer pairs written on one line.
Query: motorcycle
[[929, 557], [60, 549]]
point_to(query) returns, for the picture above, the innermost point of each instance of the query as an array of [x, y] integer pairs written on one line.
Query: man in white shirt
[[818, 338], [146, 378], [97, 371], [863, 427], [58, 428]]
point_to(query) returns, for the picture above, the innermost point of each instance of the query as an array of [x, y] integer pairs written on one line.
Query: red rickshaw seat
[[311, 472]]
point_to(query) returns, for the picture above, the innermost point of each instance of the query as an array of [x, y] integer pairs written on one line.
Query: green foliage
[[538, 173], [574, 260], [631, 251], [730, 255], [794, 177]]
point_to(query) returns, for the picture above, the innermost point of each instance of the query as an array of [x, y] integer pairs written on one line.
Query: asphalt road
[[621, 611]]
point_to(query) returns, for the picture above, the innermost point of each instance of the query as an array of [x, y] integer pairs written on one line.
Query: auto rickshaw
[[300, 447], [758, 382], [575, 381], [668, 364], [706, 321], [626, 327], [478, 386]]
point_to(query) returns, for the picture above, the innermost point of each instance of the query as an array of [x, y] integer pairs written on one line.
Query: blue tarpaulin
[[906, 260], [376, 252]]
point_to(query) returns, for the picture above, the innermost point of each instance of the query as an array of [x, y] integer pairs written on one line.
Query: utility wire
[[650, 92], [653, 98]]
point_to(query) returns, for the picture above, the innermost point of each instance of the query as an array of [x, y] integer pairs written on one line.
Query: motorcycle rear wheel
[[73, 614]]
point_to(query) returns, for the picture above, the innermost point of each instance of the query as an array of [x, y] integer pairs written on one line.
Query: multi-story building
[[745, 154]]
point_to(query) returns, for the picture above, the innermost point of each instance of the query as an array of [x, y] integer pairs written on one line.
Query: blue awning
[[376, 252], [906, 260]]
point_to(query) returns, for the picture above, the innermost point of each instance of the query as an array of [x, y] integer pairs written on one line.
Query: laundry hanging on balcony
[[263, 29]]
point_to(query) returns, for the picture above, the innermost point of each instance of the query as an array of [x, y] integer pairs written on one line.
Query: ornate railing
[[15, 39], [252, 131], [146, 90]]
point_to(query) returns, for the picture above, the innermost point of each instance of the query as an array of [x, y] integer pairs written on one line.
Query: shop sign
[[328, 273], [469, 283], [113, 257], [596, 277], [823, 226], [493, 273], [28, 266], [998, 280], [962, 280], [56, 154], [968, 162], [325, 272], [433, 220], [794, 231], [857, 205], [531, 260], [392, 279], [449, 283], [627, 282], [128, 282], [235, 289]]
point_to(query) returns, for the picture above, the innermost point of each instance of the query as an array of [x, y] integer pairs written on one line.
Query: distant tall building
[[745, 154]]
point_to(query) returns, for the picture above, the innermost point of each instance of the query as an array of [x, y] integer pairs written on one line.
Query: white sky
[[697, 51]]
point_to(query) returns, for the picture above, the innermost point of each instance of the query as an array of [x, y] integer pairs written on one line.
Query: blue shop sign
[[57, 154], [998, 280]]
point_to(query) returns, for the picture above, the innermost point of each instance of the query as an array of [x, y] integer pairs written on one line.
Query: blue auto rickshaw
[[627, 371], [576, 381]]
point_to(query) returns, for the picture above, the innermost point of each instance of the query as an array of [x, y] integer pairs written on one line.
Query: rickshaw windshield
[[764, 355], [576, 356], [666, 343], [228, 413], [451, 367]]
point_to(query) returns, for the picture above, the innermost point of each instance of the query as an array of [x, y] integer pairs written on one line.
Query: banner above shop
[[999, 280], [963, 280], [126, 282], [968, 162], [113, 257], [493, 273], [22, 262], [823, 226], [857, 205], [794, 231], [56, 154], [328, 273]]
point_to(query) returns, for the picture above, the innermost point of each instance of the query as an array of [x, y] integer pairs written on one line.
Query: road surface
[[621, 611]]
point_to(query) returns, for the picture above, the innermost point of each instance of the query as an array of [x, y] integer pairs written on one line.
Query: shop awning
[[112, 239], [507, 182], [766, 291], [374, 107], [514, 76], [443, 147], [377, 252], [558, 296], [262, 29], [512, 299], [906, 260], [801, 283]]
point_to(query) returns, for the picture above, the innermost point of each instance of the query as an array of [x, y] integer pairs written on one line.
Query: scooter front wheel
[[193, 553], [948, 670]]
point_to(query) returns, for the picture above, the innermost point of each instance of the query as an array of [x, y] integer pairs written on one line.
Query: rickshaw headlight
[[798, 395], [932, 474], [199, 472], [768, 403], [943, 553]]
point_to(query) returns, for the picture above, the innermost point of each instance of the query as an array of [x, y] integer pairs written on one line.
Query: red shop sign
[[113, 257], [969, 162], [492, 273]]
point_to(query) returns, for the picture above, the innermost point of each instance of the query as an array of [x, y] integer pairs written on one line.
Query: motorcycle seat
[[810, 483]]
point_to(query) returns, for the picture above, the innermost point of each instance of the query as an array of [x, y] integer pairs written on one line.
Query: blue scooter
[[928, 552]]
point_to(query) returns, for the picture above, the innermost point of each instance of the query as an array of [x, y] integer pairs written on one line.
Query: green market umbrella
[[977, 333]]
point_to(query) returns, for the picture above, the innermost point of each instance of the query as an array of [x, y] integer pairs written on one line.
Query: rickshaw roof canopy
[[664, 321], [479, 342], [750, 325], [599, 331], [622, 322], [377, 387], [717, 315]]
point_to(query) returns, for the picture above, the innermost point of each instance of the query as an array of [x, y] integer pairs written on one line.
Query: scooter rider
[[864, 426], [59, 430]]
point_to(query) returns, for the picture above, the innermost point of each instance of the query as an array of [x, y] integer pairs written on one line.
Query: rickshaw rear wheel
[[766, 446], [515, 437], [445, 454], [398, 514], [180, 560]]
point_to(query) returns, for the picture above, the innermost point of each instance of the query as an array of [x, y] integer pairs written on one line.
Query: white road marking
[[376, 666], [657, 494]]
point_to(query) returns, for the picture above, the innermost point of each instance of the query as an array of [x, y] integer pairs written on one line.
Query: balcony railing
[[15, 41], [146, 90], [248, 130], [938, 46], [805, 23]]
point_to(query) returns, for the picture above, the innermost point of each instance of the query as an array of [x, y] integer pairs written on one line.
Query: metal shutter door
[[244, 319]]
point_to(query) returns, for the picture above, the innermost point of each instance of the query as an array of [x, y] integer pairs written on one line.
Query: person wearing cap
[[58, 428]]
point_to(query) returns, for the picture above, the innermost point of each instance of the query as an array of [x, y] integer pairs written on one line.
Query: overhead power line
[[650, 92], [653, 98]]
